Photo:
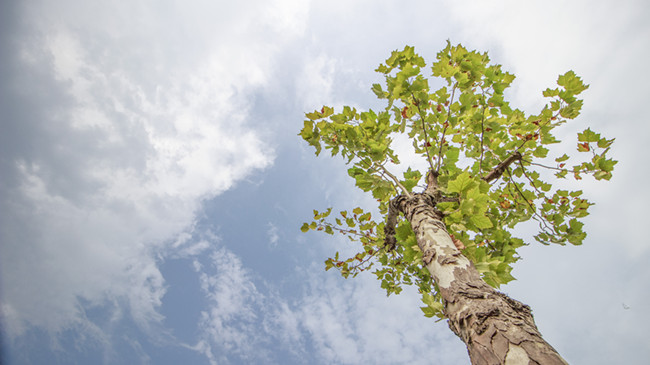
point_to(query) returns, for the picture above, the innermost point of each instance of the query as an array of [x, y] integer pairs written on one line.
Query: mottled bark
[[495, 328]]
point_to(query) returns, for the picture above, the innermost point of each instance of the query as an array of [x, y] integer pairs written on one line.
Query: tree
[[449, 230]]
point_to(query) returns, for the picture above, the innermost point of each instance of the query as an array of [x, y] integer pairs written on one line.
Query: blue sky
[[153, 183]]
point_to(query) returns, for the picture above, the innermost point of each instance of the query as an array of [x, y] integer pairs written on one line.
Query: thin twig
[[539, 218], [342, 230], [358, 266], [424, 129], [480, 164], [530, 180], [539, 128], [446, 125], [583, 171], [396, 180], [385, 171], [545, 166]]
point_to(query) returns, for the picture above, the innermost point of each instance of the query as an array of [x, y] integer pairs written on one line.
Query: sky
[[152, 183]]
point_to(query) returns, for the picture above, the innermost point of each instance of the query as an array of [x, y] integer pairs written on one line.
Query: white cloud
[[153, 121], [315, 82], [273, 234], [353, 322], [229, 326], [335, 321]]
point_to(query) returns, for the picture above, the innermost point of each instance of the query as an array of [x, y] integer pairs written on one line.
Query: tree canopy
[[493, 163]]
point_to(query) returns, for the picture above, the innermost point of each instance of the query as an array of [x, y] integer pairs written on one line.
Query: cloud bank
[[121, 120]]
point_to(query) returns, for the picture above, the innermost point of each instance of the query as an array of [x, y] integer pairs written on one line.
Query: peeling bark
[[495, 328]]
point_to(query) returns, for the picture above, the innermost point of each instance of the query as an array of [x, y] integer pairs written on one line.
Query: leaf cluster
[[464, 130]]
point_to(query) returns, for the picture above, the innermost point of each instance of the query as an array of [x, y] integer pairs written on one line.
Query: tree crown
[[490, 161]]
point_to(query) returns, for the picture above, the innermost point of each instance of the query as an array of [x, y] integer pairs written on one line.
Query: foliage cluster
[[464, 129]]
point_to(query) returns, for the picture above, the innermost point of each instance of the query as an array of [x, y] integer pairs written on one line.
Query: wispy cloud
[[335, 320], [352, 322], [229, 325], [274, 234]]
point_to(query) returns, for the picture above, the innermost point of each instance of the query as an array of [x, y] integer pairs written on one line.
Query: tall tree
[[449, 230]]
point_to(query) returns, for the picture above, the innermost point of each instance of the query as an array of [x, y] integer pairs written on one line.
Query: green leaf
[[381, 94], [572, 83], [602, 175], [575, 194], [432, 310], [481, 221], [540, 152], [307, 131], [563, 158], [305, 227], [411, 178], [329, 264], [604, 143], [583, 147], [326, 111], [551, 92], [452, 154], [365, 217], [364, 180], [403, 231], [588, 136], [420, 83], [606, 165], [428, 299], [461, 183], [572, 110]]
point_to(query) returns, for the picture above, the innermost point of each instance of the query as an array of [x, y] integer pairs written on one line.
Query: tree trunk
[[495, 328]]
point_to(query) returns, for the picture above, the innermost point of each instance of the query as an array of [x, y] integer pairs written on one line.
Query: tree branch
[[500, 168], [444, 130], [431, 196], [432, 182], [480, 164], [396, 180], [540, 219], [532, 183], [434, 191], [583, 171], [391, 221], [424, 129]]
